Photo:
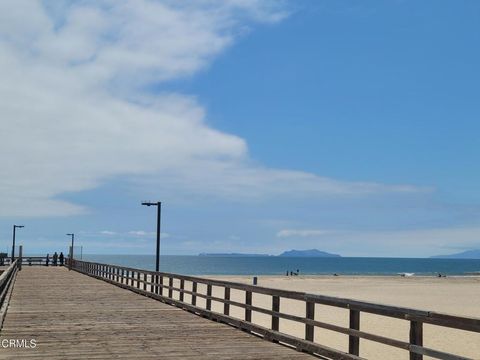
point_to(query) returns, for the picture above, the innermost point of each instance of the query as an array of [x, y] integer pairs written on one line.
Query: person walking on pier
[[55, 257], [47, 259], [61, 257]]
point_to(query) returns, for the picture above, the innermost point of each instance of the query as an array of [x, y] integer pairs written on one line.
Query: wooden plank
[[170, 289], [275, 308], [226, 305], [209, 294], [416, 338], [354, 341], [310, 314], [248, 302], [194, 292], [182, 287]]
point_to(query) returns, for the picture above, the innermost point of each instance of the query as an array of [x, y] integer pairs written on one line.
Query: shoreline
[[343, 276]]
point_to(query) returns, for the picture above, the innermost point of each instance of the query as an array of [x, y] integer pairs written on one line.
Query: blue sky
[[347, 126]]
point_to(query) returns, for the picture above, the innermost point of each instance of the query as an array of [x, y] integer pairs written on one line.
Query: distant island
[[290, 253], [469, 254], [307, 253], [231, 254]]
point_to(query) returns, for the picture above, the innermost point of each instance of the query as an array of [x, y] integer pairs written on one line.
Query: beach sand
[[452, 295]]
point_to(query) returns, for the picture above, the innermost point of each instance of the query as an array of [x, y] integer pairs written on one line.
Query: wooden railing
[[33, 260], [160, 286], [7, 279]]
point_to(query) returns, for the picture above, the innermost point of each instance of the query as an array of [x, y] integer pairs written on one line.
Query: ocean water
[[272, 265]]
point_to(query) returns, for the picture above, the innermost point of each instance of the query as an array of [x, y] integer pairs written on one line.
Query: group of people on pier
[[55, 259]]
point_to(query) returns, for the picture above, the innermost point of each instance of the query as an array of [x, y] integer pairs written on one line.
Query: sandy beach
[[452, 295]]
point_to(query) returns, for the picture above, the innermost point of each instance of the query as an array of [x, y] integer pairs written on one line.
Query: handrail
[[33, 260], [153, 284], [7, 279]]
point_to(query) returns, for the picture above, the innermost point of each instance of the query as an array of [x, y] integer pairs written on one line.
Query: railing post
[[209, 294], [20, 258], [275, 308], [138, 279], [194, 291], [416, 338], [226, 306], [248, 302], [70, 262], [170, 285], [159, 289], [310, 315], [144, 281], [354, 341], [182, 287]]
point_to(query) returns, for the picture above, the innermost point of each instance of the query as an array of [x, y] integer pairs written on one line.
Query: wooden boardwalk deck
[[74, 316]]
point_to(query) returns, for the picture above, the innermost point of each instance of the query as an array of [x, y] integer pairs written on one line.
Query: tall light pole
[[158, 204], [71, 251], [13, 242]]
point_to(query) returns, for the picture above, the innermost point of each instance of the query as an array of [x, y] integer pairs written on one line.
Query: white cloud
[[75, 113], [142, 233], [108, 232], [302, 232]]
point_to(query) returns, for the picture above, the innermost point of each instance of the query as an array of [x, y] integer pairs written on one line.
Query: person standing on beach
[[47, 260], [55, 257], [61, 257]]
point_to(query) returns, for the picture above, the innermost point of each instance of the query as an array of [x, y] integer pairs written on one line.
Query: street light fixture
[[71, 251], [158, 204], [15, 227]]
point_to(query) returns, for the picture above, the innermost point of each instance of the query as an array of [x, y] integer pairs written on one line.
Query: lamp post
[[71, 251], [13, 242], [158, 204]]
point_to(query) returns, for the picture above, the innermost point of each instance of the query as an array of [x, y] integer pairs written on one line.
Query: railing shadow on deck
[[154, 285]]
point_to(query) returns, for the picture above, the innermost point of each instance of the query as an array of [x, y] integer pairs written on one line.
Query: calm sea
[[272, 265]]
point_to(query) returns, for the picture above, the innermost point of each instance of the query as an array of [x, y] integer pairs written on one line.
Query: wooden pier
[[90, 313], [73, 316]]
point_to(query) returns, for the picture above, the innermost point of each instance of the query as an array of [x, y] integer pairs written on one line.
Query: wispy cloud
[[142, 233], [302, 233], [73, 92]]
